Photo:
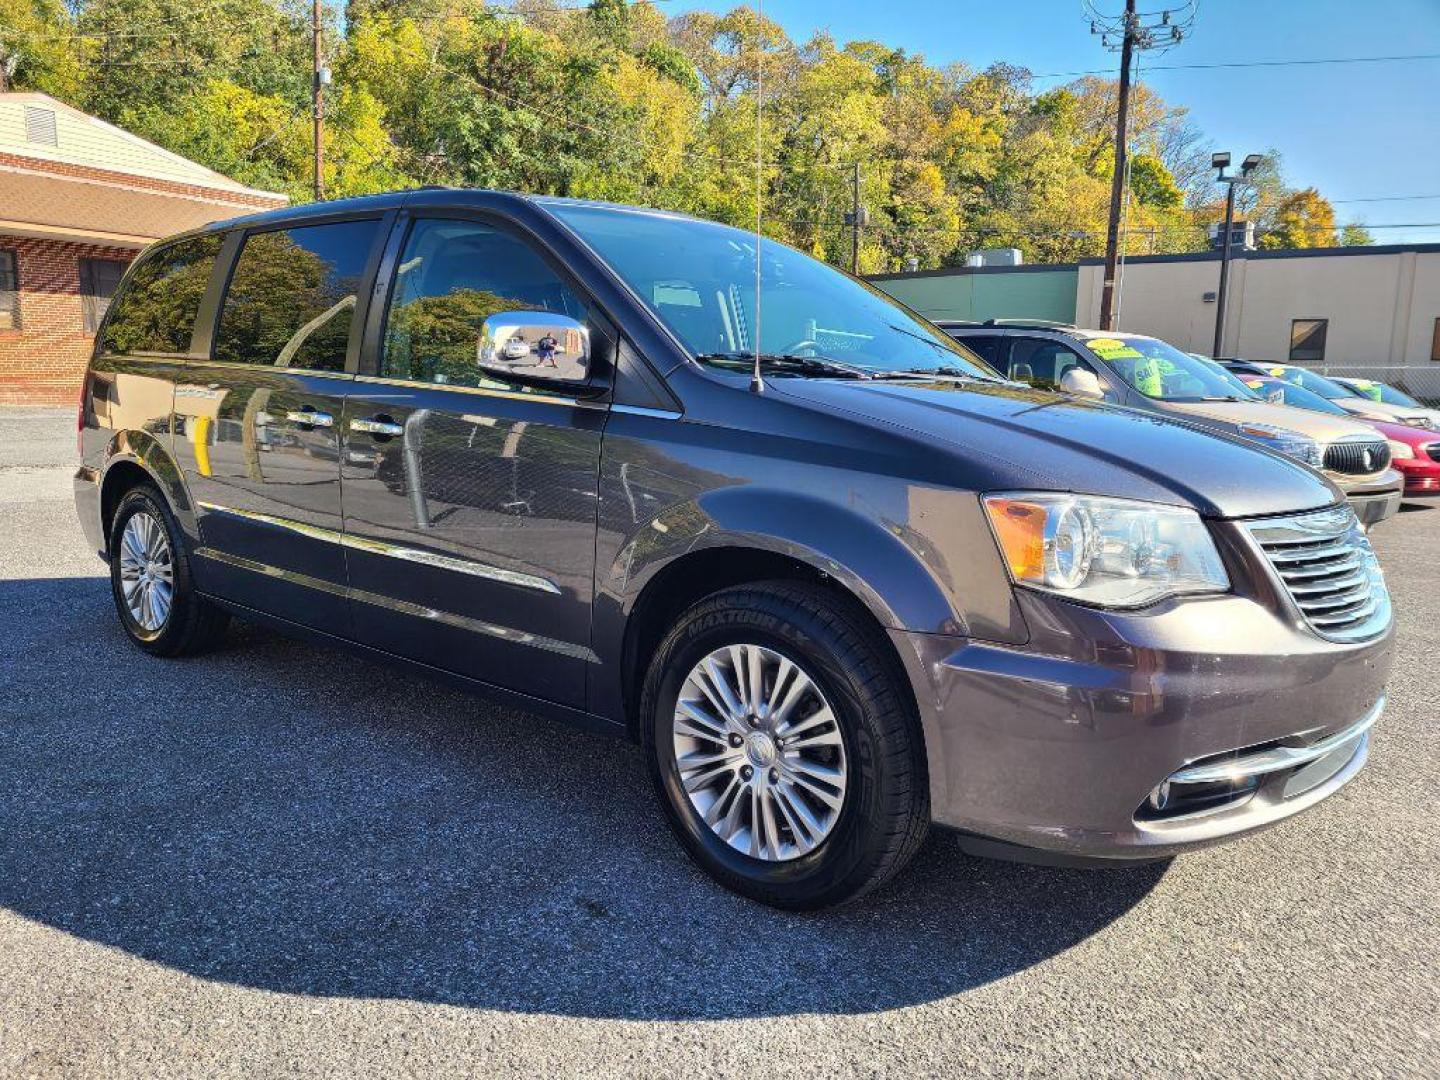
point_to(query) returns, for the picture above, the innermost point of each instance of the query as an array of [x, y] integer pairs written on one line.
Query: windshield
[[1165, 373], [699, 280], [1280, 392], [1316, 384], [1379, 391]]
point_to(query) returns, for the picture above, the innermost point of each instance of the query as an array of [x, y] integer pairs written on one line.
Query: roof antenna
[[757, 383]]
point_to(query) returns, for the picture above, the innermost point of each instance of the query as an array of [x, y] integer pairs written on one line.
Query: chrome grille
[[1358, 456], [1329, 571]]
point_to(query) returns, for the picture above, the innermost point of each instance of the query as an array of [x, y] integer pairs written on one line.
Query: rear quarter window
[[156, 308], [293, 294]]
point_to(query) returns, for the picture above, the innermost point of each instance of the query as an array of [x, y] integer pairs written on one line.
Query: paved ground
[[278, 859]]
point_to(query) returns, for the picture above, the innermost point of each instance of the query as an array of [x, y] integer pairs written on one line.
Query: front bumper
[[1422, 477], [1059, 746], [1373, 500]]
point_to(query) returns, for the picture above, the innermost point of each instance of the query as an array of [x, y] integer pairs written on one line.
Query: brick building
[[79, 198]]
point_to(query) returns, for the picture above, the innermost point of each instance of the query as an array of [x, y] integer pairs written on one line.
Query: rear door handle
[[381, 427], [310, 418]]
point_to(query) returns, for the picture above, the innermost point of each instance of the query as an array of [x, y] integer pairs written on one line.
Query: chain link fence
[[1420, 381]]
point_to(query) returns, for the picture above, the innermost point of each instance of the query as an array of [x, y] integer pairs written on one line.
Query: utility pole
[[1220, 162], [320, 77], [1117, 183], [856, 219], [1127, 34]]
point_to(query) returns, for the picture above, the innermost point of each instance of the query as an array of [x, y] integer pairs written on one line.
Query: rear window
[[156, 310], [292, 296]]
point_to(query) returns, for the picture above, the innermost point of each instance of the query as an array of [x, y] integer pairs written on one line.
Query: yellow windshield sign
[[1111, 349]]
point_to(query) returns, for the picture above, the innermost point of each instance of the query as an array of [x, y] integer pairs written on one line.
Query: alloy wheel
[[147, 571], [760, 752]]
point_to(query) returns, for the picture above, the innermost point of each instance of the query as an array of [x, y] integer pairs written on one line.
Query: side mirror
[[1081, 383], [534, 345]]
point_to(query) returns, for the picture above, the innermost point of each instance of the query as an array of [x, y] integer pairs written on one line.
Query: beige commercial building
[[1360, 307]]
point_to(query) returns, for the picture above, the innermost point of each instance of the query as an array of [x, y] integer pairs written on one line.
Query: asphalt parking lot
[[278, 859]]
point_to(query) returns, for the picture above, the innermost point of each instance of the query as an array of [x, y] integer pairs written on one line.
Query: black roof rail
[[1031, 324], [1006, 324]]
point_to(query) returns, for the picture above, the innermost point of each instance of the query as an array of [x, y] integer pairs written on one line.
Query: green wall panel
[[1040, 294]]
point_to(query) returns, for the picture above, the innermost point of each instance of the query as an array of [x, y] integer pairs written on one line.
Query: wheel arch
[[136, 457]]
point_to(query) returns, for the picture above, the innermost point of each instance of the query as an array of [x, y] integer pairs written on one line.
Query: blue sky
[[1352, 130]]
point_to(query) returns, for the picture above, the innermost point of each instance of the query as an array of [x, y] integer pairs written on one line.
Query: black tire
[[886, 808], [193, 624]]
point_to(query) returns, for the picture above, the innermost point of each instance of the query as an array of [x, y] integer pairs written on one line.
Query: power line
[[1251, 64], [1386, 198]]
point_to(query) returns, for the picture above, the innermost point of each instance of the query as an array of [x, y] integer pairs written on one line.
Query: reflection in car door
[[258, 421], [469, 503]]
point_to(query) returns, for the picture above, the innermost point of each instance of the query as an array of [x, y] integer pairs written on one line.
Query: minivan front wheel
[[782, 747], [150, 579]]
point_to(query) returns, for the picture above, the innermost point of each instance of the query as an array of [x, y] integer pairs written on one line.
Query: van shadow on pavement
[[286, 817]]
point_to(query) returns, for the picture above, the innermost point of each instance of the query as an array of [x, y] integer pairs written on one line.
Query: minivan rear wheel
[[782, 746], [151, 581]]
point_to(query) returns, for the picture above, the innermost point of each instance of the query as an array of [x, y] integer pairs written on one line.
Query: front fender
[[923, 568]]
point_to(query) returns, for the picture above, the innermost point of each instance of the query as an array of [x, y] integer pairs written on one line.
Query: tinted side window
[[157, 309], [292, 296], [452, 276], [988, 347], [1040, 362]]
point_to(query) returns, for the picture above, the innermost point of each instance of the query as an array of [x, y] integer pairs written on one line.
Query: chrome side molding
[[395, 551]]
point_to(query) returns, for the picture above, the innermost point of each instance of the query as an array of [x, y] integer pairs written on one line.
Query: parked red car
[[1414, 451]]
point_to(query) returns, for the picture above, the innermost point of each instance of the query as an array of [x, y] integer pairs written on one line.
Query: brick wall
[[42, 362]]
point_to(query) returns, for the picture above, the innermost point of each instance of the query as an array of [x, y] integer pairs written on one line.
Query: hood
[[1404, 433], [1324, 428], [1014, 438], [1381, 411]]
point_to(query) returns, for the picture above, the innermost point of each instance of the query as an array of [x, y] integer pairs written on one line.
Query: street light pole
[[1224, 292], [1220, 162]]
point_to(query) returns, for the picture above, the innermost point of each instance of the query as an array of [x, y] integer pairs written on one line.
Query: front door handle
[[381, 427], [310, 418]]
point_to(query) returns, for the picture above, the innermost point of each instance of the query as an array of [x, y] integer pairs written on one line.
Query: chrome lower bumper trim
[[1276, 758]]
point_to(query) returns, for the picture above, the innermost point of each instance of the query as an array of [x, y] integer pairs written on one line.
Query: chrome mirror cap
[[536, 345]]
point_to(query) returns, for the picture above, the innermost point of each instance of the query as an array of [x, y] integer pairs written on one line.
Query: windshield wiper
[[945, 371], [814, 365]]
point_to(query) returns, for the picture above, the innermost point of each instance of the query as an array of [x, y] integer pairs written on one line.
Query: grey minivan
[[520, 444]]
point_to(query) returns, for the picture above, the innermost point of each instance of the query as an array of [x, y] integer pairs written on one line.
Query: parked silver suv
[[1146, 373], [520, 444]]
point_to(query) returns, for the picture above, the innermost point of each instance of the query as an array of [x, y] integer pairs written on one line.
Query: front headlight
[[1290, 443], [1108, 552], [1399, 450]]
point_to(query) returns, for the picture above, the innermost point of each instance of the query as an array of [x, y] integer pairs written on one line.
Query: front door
[[470, 503], [259, 434]]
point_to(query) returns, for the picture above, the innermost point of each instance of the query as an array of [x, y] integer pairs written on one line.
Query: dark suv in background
[[523, 444]]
